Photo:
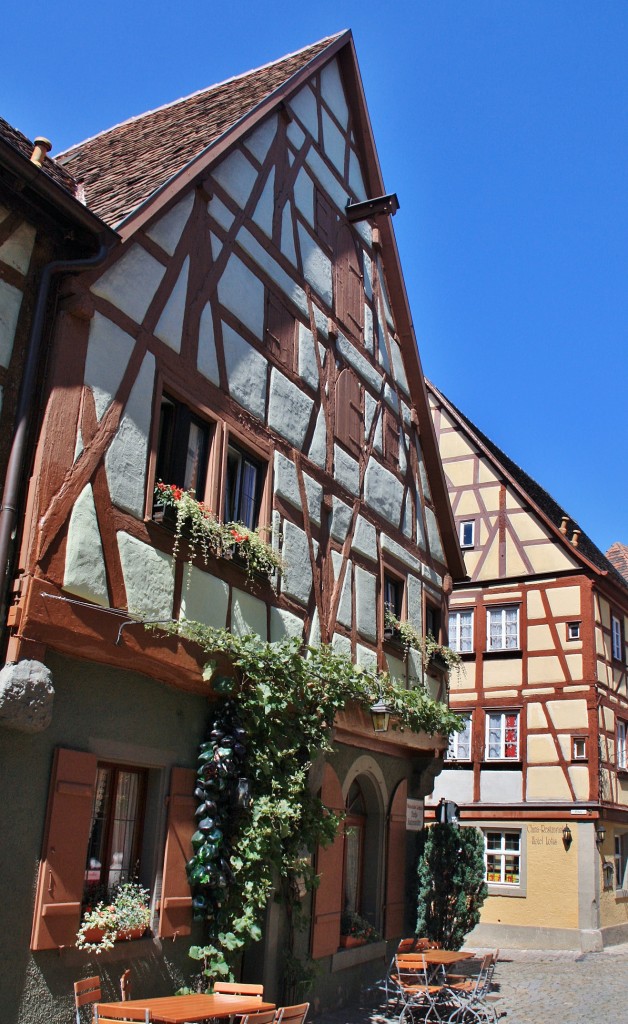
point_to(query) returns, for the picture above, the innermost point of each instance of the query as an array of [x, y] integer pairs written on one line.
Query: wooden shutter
[[329, 861], [391, 437], [349, 283], [62, 869], [323, 220], [176, 899], [349, 429], [396, 864], [280, 331]]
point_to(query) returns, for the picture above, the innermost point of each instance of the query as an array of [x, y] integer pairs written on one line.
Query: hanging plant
[[409, 636], [275, 718], [196, 523]]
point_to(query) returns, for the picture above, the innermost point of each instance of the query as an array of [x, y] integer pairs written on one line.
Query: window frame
[[452, 753], [503, 610], [575, 625], [617, 638], [503, 714], [620, 861], [621, 735], [575, 741], [115, 770], [170, 465], [455, 635], [461, 531], [234, 443], [503, 888]]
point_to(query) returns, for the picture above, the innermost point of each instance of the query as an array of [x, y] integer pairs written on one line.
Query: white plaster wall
[[10, 303], [109, 349], [131, 282], [204, 598], [148, 578], [248, 614], [17, 249], [84, 573], [126, 458], [168, 229], [501, 787], [169, 327], [246, 372]]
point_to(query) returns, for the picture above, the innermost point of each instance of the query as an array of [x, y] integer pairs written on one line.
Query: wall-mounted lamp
[[372, 207], [608, 873], [243, 794], [600, 834], [567, 837], [380, 715]]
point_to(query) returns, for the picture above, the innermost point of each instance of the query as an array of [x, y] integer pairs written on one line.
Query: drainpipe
[[15, 465]]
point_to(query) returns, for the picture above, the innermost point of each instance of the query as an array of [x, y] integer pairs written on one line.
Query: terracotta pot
[[130, 933], [94, 934], [351, 941]]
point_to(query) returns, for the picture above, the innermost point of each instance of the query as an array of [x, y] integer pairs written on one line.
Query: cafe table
[[441, 959], [180, 1009]]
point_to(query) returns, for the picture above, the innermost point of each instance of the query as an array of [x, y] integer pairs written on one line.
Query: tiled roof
[[539, 496], [120, 168], [51, 168], [617, 554]]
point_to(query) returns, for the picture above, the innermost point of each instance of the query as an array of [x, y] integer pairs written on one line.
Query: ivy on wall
[[257, 817]]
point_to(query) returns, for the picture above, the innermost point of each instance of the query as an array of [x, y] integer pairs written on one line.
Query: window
[[115, 833], [503, 856], [280, 328], [183, 447], [243, 487], [617, 639], [355, 827], [432, 621], [502, 735], [578, 748], [393, 596], [459, 748], [621, 860], [503, 629], [461, 631], [620, 753], [573, 630], [467, 533], [349, 429]]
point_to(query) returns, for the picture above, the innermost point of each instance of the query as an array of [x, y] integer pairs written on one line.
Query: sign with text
[[414, 815]]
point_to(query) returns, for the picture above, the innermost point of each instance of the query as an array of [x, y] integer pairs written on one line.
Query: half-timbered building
[[540, 767], [248, 335]]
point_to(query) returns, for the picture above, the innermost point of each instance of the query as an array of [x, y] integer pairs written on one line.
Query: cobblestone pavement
[[544, 987]]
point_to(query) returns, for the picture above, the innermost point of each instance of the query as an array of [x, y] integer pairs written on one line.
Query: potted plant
[[126, 917], [356, 931], [439, 656]]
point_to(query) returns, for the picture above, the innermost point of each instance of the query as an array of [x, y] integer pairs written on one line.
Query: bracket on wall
[[372, 207]]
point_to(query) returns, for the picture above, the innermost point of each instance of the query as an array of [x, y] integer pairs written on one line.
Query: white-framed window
[[503, 856], [467, 533], [617, 639], [620, 747], [459, 748], [578, 748], [573, 630], [621, 860], [461, 631], [502, 735], [502, 628]]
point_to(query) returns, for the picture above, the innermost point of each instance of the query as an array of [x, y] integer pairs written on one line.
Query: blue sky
[[503, 127]]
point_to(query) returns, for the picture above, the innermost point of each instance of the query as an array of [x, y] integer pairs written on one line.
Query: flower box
[[351, 941]]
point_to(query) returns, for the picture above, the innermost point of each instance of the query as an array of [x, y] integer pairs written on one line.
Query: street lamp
[[600, 834], [567, 837], [380, 715]]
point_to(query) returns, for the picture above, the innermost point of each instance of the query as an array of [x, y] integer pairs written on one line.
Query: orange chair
[[126, 985], [292, 1014], [86, 991], [263, 1017], [237, 988], [115, 1014]]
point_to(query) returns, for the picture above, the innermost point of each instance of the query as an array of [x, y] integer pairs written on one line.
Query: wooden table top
[[179, 1009], [438, 956]]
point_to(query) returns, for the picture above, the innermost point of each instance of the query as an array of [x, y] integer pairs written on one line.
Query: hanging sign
[[414, 815]]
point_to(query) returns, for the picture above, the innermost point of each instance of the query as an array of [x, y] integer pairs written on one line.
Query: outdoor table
[[442, 958], [179, 1009]]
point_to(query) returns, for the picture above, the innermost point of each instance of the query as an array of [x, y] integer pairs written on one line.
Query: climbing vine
[[258, 819]]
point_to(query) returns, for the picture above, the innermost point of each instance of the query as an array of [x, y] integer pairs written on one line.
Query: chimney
[[41, 150], [563, 525], [575, 537]]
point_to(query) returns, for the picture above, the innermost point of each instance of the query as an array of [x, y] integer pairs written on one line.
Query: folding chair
[[126, 985], [388, 982], [263, 1017], [115, 1014], [415, 990], [237, 988], [292, 1014], [470, 996], [86, 991]]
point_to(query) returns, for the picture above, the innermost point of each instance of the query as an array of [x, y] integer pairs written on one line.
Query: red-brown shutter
[[329, 861], [396, 864], [323, 220], [62, 869], [391, 437], [280, 331], [349, 429], [349, 282], [176, 900]]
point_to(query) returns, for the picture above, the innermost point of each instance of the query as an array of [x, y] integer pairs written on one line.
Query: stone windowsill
[[346, 958]]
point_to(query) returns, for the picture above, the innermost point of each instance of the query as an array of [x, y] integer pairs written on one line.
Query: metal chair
[[415, 990], [470, 997], [86, 991], [263, 1017], [388, 982], [237, 988], [292, 1014], [126, 985]]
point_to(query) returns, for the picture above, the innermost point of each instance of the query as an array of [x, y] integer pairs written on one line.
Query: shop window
[[243, 487], [115, 834], [503, 856], [459, 748], [503, 628], [183, 447], [502, 735], [461, 631]]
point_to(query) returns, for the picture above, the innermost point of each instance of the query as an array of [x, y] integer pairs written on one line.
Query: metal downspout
[[15, 465]]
